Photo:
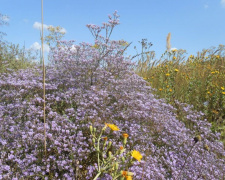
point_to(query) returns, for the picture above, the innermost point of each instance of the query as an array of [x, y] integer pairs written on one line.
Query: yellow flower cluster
[[215, 72]]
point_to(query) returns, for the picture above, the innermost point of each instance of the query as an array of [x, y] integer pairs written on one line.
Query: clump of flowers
[[113, 164]]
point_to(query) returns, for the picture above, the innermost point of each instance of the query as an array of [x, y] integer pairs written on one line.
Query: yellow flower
[[222, 88], [212, 72], [191, 56], [126, 173], [136, 155], [170, 90], [215, 111], [160, 89], [145, 78], [217, 56], [128, 177], [167, 74], [125, 135], [223, 92], [174, 57], [176, 70], [113, 127]]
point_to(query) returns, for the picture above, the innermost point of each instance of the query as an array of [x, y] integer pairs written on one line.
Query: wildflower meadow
[[110, 118]]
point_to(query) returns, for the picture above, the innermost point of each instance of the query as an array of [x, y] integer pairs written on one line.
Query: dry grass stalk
[[168, 45]]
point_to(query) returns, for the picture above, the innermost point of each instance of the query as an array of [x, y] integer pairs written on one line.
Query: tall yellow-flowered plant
[[115, 164]]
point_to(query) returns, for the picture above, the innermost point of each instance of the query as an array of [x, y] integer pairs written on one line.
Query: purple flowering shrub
[[92, 85]]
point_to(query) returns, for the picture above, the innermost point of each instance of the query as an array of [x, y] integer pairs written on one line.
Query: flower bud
[[117, 166], [93, 140], [104, 128], [110, 154], [109, 145], [91, 128]]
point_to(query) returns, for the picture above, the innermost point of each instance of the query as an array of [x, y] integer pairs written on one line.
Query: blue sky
[[194, 24]]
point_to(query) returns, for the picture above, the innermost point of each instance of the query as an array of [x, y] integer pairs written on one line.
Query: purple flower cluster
[[91, 86]]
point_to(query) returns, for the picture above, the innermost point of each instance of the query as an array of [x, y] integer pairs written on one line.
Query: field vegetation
[[108, 118], [196, 80]]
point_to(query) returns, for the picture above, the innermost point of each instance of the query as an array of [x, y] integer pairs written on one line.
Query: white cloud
[[173, 49], [38, 25], [73, 49], [63, 30], [223, 3], [37, 46]]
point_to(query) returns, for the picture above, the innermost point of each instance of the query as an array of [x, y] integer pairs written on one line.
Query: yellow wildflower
[[126, 173], [174, 57], [136, 155], [128, 177], [167, 74], [125, 135], [215, 111], [223, 92], [160, 89], [222, 88], [191, 56], [218, 56], [113, 127], [217, 72], [176, 70], [170, 90]]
